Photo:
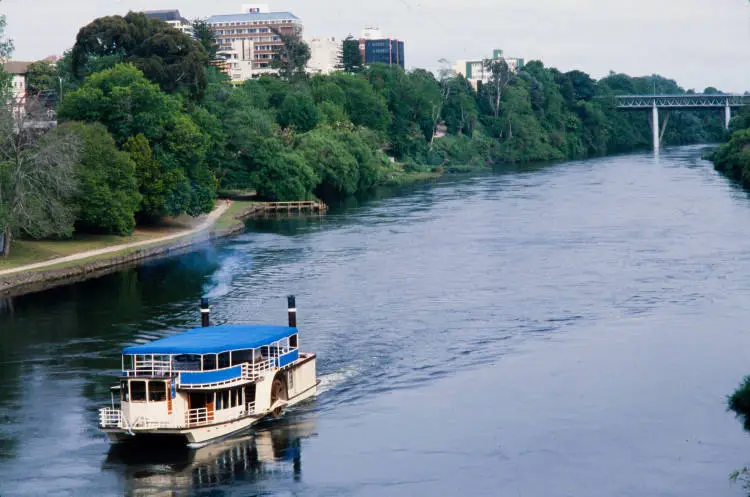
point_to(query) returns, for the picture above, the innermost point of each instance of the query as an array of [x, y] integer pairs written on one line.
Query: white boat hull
[[301, 384]]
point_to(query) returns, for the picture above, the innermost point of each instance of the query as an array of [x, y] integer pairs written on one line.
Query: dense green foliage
[[168, 57], [350, 58], [41, 76], [107, 197], [129, 106], [733, 158], [166, 130], [204, 34], [739, 403]]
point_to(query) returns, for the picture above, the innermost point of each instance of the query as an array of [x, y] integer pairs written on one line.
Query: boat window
[[293, 341], [224, 360], [124, 391], [127, 363], [138, 391], [219, 401], [241, 356], [209, 362], [226, 396], [157, 391], [187, 363]]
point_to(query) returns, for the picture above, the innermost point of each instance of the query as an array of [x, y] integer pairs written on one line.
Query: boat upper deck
[[213, 356], [214, 340]]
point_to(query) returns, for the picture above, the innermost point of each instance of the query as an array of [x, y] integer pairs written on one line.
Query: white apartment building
[[474, 70], [324, 55]]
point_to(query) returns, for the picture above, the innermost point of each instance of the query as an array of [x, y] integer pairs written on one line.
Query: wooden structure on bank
[[261, 209], [288, 207]]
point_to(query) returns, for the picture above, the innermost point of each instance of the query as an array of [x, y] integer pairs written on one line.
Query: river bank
[[226, 220]]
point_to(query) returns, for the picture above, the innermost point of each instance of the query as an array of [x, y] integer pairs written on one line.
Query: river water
[[568, 330]]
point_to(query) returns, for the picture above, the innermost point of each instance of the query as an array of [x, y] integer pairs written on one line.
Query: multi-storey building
[[173, 18], [17, 70], [376, 48], [247, 41], [324, 55], [475, 70]]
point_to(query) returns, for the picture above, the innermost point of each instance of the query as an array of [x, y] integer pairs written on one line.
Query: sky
[[698, 43]]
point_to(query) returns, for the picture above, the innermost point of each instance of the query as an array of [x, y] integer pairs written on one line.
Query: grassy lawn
[[31, 251], [227, 219]]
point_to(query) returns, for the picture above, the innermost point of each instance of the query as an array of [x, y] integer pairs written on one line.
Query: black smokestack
[[292, 305], [205, 313]]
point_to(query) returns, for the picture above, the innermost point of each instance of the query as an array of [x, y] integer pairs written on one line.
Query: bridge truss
[[685, 101], [695, 101]]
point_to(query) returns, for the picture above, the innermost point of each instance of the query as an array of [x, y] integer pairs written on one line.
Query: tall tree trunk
[[6, 242], [497, 102]]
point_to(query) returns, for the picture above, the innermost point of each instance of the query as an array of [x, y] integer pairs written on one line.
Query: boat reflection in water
[[273, 451]]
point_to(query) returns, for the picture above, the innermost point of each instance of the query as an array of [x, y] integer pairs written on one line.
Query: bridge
[[685, 101]]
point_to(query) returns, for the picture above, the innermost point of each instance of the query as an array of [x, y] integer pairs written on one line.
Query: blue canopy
[[214, 340]]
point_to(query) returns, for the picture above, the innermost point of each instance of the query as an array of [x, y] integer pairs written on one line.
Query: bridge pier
[[655, 125], [727, 114]]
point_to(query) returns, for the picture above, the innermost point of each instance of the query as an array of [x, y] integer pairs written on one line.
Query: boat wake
[[330, 381]]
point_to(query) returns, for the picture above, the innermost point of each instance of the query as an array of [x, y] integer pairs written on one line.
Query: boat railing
[[252, 371], [110, 418], [199, 417], [149, 367], [250, 408]]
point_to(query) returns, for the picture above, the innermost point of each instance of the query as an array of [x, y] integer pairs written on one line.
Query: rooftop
[[214, 340], [254, 16], [166, 15], [16, 67]]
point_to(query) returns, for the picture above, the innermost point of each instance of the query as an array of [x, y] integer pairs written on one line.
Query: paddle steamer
[[210, 382]]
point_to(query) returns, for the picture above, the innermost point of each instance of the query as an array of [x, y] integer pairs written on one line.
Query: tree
[[124, 101], [204, 34], [128, 105], [293, 56], [6, 50], [364, 106], [168, 57], [499, 78], [37, 183], [460, 111], [285, 176], [36, 176], [332, 162], [350, 58], [149, 177], [41, 76], [298, 111], [107, 197], [584, 87]]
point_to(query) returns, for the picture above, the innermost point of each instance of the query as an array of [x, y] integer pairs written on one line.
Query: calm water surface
[[561, 331]]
